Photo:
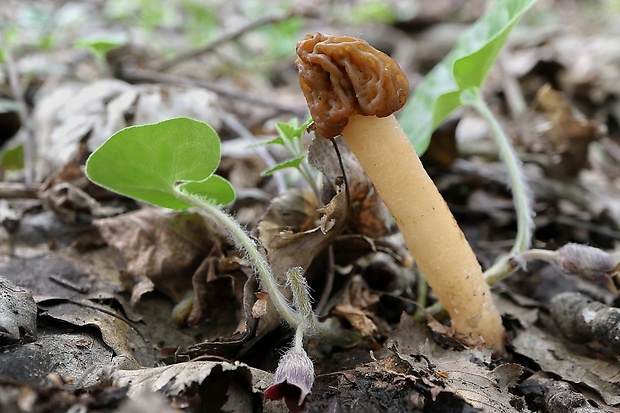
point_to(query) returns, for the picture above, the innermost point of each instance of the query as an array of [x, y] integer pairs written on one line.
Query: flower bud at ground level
[[587, 262], [294, 379]]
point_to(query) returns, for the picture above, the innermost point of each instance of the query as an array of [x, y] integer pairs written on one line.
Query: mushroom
[[352, 89]]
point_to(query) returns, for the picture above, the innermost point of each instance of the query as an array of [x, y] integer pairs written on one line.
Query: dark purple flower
[[294, 380]]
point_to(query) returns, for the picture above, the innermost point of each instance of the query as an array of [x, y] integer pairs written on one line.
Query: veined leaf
[[147, 162], [464, 68], [289, 163], [291, 130]]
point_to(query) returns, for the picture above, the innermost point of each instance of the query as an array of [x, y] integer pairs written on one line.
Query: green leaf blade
[[289, 163], [146, 162], [465, 67], [291, 130], [215, 189]]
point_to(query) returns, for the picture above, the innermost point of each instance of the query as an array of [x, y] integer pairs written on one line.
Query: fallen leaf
[[368, 215], [166, 247], [465, 373], [18, 314], [568, 136], [553, 355], [117, 332], [223, 386]]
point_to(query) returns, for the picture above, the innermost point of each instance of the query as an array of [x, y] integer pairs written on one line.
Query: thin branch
[[17, 190], [135, 75], [226, 37]]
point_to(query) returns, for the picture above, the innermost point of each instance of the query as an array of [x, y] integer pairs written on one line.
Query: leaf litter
[[109, 276]]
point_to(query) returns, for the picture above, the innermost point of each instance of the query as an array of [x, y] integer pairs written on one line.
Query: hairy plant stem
[[301, 299], [296, 319], [245, 243], [520, 189], [298, 342]]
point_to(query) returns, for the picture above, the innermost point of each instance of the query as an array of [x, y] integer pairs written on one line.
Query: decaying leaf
[[77, 357], [18, 314], [74, 113], [163, 246], [221, 386], [129, 346], [568, 135], [560, 398], [368, 214], [465, 373], [563, 359], [259, 308], [216, 282], [354, 306]]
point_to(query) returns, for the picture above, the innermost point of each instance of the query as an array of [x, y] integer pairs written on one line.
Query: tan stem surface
[[431, 233]]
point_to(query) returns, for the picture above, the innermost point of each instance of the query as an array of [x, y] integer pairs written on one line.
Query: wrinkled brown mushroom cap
[[343, 76]]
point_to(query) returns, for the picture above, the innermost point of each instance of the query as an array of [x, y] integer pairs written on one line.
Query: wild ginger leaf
[[147, 162], [464, 68]]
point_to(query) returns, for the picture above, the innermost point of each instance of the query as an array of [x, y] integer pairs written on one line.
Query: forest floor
[[141, 309]]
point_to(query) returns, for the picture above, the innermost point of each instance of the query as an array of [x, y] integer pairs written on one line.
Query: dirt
[[117, 306]]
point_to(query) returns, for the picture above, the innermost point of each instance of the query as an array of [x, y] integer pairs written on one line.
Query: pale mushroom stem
[[431, 233]]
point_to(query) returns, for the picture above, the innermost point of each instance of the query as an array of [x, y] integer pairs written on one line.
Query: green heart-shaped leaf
[[465, 68], [147, 162]]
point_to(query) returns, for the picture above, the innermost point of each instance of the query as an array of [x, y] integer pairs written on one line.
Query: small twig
[[111, 313], [58, 279], [344, 174], [225, 37], [142, 75]]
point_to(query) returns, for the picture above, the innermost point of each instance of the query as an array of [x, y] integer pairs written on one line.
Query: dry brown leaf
[[214, 290], [74, 113], [182, 382], [18, 314], [465, 373], [117, 332], [562, 358], [353, 308], [358, 318], [259, 308], [165, 247], [368, 215]]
